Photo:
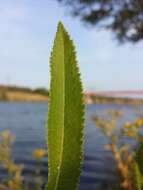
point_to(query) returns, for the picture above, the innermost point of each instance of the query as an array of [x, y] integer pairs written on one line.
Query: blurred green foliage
[[123, 17], [3, 96], [41, 91]]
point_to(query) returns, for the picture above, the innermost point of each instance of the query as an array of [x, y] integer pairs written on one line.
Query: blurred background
[[108, 36]]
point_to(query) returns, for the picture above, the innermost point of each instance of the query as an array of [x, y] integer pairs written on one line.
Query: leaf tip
[[60, 25]]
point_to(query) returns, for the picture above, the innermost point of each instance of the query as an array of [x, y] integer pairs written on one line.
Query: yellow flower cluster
[[123, 153], [131, 129], [16, 182], [15, 178], [139, 122], [127, 125], [14, 171], [39, 153]]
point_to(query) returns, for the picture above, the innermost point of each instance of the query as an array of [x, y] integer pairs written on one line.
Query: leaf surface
[[139, 157], [65, 117], [138, 177]]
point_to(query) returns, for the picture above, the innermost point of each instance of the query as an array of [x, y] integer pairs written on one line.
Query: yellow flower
[[127, 125], [7, 136], [11, 184], [125, 184], [11, 167], [130, 158], [39, 153], [139, 122], [125, 171], [131, 133]]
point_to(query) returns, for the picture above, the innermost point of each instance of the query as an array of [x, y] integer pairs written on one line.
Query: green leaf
[[139, 157], [138, 177], [65, 117]]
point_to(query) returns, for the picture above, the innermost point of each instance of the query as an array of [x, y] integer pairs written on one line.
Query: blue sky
[[26, 36]]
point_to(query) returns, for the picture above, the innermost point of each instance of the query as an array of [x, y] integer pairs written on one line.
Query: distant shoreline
[[117, 100], [22, 94]]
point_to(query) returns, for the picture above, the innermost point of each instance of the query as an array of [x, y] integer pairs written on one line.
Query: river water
[[27, 122]]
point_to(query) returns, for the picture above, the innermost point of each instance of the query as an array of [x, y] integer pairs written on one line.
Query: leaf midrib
[[62, 140]]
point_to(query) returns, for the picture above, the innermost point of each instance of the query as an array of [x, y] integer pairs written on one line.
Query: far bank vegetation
[[14, 93]]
